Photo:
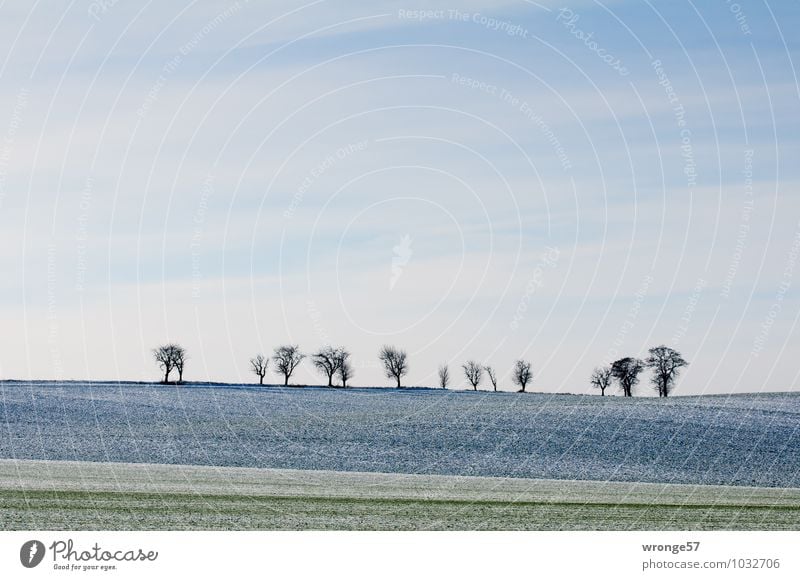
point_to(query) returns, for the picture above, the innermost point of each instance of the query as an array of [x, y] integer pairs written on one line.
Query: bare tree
[[345, 369], [163, 356], [444, 376], [522, 374], [171, 356], [259, 364], [474, 373], [179, 360], [327, 361], [286, 358], [394, 362], [626, 371], [666, 364], [492, 376], [601, 379]]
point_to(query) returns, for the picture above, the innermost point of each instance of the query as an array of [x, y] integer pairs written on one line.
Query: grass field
[[84, 496]]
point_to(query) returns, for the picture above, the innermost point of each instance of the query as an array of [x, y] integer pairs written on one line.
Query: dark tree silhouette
[[163, 356], [394, 363], [180, 358], [601, 379], [170, 356], [327, 361], [286, 358], [626, 371], [444, 376], [259, 364], [666, 365], [474, 373], [522, 374], [492, 376], [345, 369]]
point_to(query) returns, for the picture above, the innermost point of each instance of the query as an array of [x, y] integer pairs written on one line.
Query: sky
[[562, 182]]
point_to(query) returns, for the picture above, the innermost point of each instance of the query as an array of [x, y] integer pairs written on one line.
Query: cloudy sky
[[563, 182]]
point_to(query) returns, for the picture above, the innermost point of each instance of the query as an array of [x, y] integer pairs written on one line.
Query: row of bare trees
[[474, 372], [664, 362], [330, 361], [395, 364], [334, 363]]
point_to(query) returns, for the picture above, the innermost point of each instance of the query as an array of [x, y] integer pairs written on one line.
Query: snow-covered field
[[743, 440], [108, 496]]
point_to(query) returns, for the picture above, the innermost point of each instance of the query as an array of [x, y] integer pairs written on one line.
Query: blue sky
[[574, 181]]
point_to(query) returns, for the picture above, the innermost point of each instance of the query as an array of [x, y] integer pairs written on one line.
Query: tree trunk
[[166, 377], [286, 381], [260, 380], [398, 382], [330, 380], [180, 376]]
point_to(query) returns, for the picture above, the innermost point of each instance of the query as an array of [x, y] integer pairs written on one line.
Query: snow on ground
[[744, 440]]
